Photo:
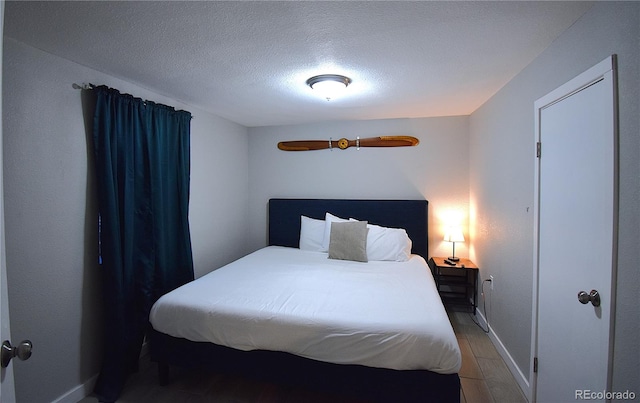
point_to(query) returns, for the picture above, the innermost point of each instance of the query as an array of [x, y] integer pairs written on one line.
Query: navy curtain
[[142, 166]]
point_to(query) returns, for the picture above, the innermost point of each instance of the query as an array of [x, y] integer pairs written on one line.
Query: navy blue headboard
[[284, 217]]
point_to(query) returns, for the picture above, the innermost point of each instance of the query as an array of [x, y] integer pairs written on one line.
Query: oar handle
[[388, 141], [306, 145]]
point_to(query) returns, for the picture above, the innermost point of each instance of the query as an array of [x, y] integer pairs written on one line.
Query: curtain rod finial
[[82, 87]]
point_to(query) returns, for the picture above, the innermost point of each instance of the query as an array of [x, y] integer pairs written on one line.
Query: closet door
[[576, 241]]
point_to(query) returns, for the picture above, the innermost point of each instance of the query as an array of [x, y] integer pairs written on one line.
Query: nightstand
[[457, 285]]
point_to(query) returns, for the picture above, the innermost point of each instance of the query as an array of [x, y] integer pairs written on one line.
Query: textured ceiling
[[248, 61]]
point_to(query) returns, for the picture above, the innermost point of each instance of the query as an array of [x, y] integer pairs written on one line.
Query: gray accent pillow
[[348, 241]]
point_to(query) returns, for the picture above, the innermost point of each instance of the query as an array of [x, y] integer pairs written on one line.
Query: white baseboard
[[518, 375], [81, 391]]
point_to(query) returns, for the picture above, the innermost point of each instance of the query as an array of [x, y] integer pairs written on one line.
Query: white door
[[7, 392], [576, 242]]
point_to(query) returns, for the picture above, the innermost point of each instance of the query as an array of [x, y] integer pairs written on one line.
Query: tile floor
[[484, 376]]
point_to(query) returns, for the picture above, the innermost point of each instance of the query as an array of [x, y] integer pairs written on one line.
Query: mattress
[[377, 314]]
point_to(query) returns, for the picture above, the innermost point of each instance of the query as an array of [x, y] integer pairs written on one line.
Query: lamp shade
[[454, 234]]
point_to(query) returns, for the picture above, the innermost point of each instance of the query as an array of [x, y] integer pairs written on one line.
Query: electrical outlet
[[492, 281]]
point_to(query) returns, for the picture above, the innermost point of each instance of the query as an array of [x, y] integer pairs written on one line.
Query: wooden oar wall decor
[[343, 144]]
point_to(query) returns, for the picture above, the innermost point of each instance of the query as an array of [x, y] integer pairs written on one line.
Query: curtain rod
[[85, 86]]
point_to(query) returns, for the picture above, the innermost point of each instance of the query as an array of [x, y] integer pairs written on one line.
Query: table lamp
[[453, 235]]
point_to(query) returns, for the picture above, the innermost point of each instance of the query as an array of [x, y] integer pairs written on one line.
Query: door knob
[[23, 351], [593, 297]]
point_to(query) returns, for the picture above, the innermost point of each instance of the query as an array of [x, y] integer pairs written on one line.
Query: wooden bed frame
[[372, 384]]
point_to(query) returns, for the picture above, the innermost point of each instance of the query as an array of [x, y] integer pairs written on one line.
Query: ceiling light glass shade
[[329, 86]]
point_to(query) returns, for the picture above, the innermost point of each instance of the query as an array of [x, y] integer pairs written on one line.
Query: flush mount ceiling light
[[329, 85]]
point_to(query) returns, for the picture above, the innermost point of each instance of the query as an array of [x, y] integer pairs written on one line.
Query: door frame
[[7, 389], [587, 78]]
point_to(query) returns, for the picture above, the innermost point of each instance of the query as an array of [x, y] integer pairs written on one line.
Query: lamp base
[[453, 258]]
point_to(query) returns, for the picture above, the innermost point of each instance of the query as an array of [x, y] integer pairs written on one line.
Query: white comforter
[[378, 314]]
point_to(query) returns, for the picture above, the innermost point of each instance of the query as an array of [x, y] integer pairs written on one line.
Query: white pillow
[[391, 244], [311, 234], [328, 219]]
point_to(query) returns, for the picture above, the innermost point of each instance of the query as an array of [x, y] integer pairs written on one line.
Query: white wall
[[50, 210], [502, 171], [435, 170], [219, 191]]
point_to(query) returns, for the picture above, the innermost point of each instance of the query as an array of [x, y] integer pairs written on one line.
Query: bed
[[288, 313]]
